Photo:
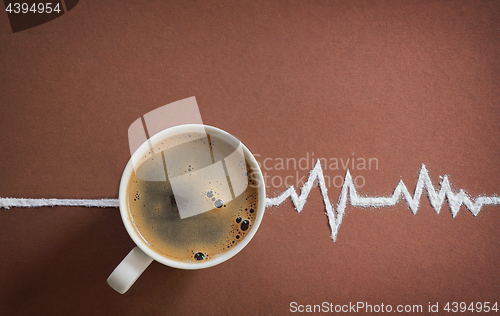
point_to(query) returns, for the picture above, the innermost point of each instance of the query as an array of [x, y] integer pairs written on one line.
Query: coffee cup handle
[[129, 270]]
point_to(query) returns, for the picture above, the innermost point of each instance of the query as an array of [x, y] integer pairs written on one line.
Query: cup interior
[[126, 217]]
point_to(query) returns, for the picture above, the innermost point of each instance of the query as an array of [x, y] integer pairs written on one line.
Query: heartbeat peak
[[349, 194]]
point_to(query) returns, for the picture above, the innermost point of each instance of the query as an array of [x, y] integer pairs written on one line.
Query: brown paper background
[[404, 82]]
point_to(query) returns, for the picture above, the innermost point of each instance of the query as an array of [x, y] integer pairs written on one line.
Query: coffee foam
[[153, 207]]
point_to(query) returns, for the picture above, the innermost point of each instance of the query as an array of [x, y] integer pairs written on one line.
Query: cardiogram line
[[348, 194], [455, 200]]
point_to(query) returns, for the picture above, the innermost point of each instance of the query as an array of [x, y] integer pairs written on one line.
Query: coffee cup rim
[[125, 214]]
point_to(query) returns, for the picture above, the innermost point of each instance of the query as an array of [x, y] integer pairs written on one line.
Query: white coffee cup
[[139, 258]]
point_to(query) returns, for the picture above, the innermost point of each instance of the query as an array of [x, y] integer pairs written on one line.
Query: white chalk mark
[[16, 202], [455, 200], [436, 199]]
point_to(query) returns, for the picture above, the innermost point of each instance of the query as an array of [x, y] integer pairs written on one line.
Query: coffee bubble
[[244, 225], [199, 256], [219, 203]]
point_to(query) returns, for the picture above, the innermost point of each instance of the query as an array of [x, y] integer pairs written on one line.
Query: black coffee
[[154, 208]]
